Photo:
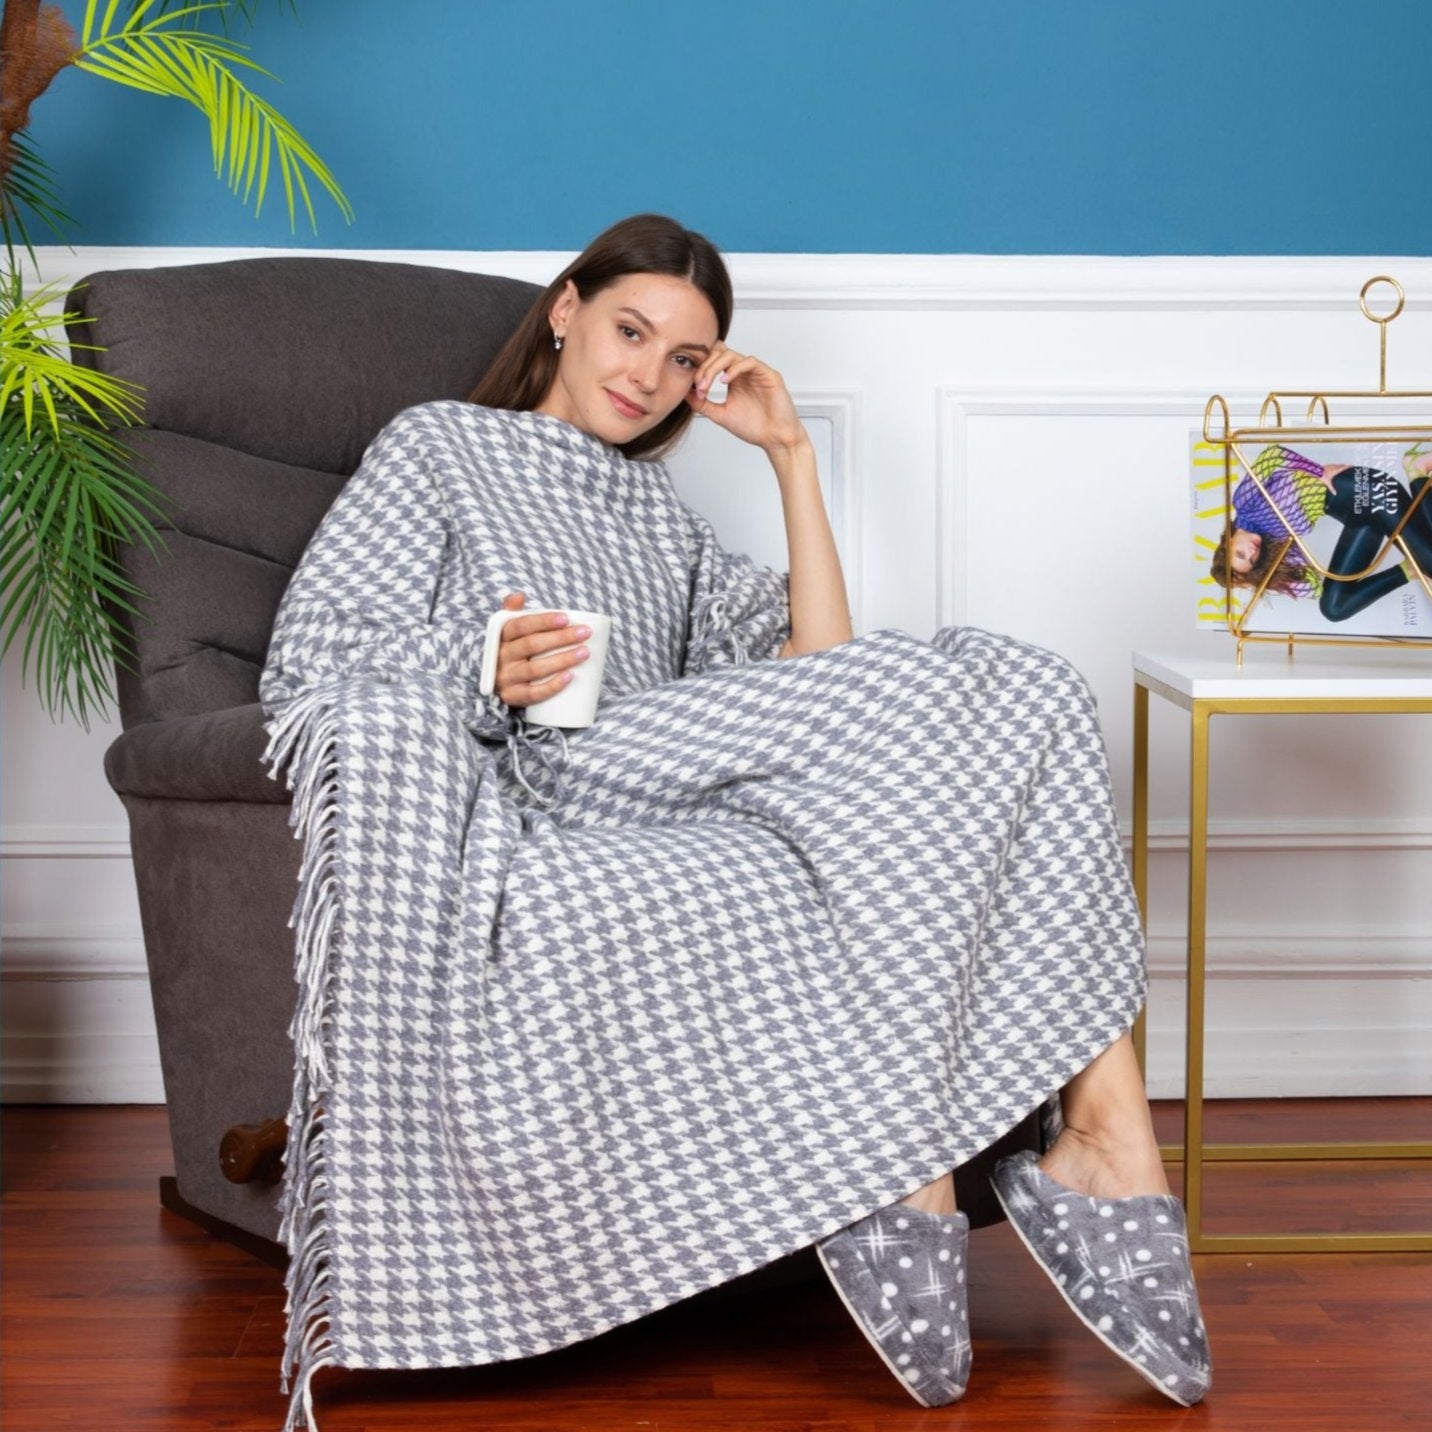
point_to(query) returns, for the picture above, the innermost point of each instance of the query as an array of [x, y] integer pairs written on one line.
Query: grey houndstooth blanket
[[589, 1021]]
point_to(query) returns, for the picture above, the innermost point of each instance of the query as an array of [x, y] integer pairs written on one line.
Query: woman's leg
[[936, 1197], [1421, 521], [1108, 1148], [1356, 547], [1098, 1216]]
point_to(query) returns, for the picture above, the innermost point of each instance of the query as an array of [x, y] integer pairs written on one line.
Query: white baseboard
[[118, 1069], [74, 954], [1281, 1063], [1278, 1059], [1289, 1040], [1303, 1033]]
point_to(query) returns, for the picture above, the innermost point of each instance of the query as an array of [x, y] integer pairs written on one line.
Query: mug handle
[[487, 677]]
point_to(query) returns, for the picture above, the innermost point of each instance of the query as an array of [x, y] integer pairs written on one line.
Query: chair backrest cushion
[[265, 379]]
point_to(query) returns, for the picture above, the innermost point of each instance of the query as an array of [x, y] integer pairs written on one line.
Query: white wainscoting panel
[[1002, 442]]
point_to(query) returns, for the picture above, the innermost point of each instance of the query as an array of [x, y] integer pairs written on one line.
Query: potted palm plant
[[69, 494]]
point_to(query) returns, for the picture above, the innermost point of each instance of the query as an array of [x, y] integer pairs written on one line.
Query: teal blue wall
[[903, 126]]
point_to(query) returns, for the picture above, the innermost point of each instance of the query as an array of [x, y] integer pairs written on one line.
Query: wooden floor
[[120, 1316]]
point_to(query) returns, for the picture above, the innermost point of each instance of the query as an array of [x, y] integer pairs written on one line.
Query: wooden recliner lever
[[253, 1153]]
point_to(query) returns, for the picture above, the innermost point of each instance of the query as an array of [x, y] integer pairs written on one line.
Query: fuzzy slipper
[[901, 1274], [1122, 1265]]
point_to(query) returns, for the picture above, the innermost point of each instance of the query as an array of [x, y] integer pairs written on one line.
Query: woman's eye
[[686, 360]]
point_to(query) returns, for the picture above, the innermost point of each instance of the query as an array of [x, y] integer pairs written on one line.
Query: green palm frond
[[69, 497], [29, 185], [247, 8], [154, 50], [34, 372], [56, 549]]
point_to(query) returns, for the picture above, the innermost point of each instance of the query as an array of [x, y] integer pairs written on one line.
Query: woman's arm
[[820, 609], [361, 599], [758, 409]]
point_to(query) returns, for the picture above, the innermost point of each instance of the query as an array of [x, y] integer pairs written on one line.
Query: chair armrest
[[214, 756]]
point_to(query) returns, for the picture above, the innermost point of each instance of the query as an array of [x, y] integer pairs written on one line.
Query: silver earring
[[556, 342]]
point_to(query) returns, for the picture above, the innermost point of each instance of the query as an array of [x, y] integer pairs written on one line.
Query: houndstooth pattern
[[775, 942]]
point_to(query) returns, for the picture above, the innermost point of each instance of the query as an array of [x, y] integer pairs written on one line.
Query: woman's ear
[[561, 311]]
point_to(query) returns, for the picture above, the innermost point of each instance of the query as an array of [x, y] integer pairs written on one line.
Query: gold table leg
[[1197, 938], [1141, 849], [1195, 1152]]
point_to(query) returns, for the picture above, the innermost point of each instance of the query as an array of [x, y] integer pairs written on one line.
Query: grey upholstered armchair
[[264, 381]]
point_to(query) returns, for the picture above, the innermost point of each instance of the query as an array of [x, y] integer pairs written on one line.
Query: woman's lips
[[626, 409]]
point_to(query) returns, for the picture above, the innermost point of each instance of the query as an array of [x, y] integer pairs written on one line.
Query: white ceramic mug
[[575, 704]]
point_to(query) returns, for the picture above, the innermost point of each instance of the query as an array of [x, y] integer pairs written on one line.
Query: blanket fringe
[[533, 739], [491, 719], [303, 737], [711, 630]]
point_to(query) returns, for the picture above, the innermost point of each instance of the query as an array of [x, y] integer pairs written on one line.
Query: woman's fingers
[[758, 407], [734, 366], [718, 360], [524, 693], [536, 655], [532, 686]]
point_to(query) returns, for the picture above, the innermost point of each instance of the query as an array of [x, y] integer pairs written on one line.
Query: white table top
[[1212, 672]]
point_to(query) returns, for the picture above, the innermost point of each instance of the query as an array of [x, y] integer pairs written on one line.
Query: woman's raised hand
[[529, 665], [758, 409]]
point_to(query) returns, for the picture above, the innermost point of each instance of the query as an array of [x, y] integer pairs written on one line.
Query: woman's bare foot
[[1107, 1148], [936, 1197], [1105, 1170]]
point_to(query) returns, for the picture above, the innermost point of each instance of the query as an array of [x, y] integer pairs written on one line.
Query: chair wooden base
[[264, 1249]]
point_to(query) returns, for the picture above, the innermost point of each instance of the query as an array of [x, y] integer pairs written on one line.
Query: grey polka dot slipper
[[1122, 1265], [901, 1274]]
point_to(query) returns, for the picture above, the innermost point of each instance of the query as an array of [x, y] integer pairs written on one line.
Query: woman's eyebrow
[[637, 314]]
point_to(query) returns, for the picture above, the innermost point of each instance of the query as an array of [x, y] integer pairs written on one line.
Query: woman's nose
[[646, 373]]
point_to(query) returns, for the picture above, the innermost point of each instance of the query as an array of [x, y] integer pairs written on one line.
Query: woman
[[1295, 492], [802, 923]]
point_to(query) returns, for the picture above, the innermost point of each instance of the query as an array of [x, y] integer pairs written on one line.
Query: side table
[[1355, 682]]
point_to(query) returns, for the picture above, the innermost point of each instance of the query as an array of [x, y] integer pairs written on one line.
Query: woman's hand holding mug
[[529, 665], [532, 660]]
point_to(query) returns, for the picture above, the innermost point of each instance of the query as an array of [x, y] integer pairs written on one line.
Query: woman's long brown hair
[[1290, 575], [522, 373]]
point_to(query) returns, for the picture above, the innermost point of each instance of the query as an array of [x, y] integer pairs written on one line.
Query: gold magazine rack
[[1317, 427]]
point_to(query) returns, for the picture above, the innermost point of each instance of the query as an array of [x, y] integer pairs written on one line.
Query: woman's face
[[629, 354], [1243, 550]]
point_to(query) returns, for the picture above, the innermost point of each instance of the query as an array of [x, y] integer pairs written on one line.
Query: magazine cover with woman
[[1342, 501]]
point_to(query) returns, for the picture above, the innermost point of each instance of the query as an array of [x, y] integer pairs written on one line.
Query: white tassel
[[711, 632], [303, 738], [531, 738]]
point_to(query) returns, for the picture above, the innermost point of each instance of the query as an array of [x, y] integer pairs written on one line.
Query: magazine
[[1339, 501]]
